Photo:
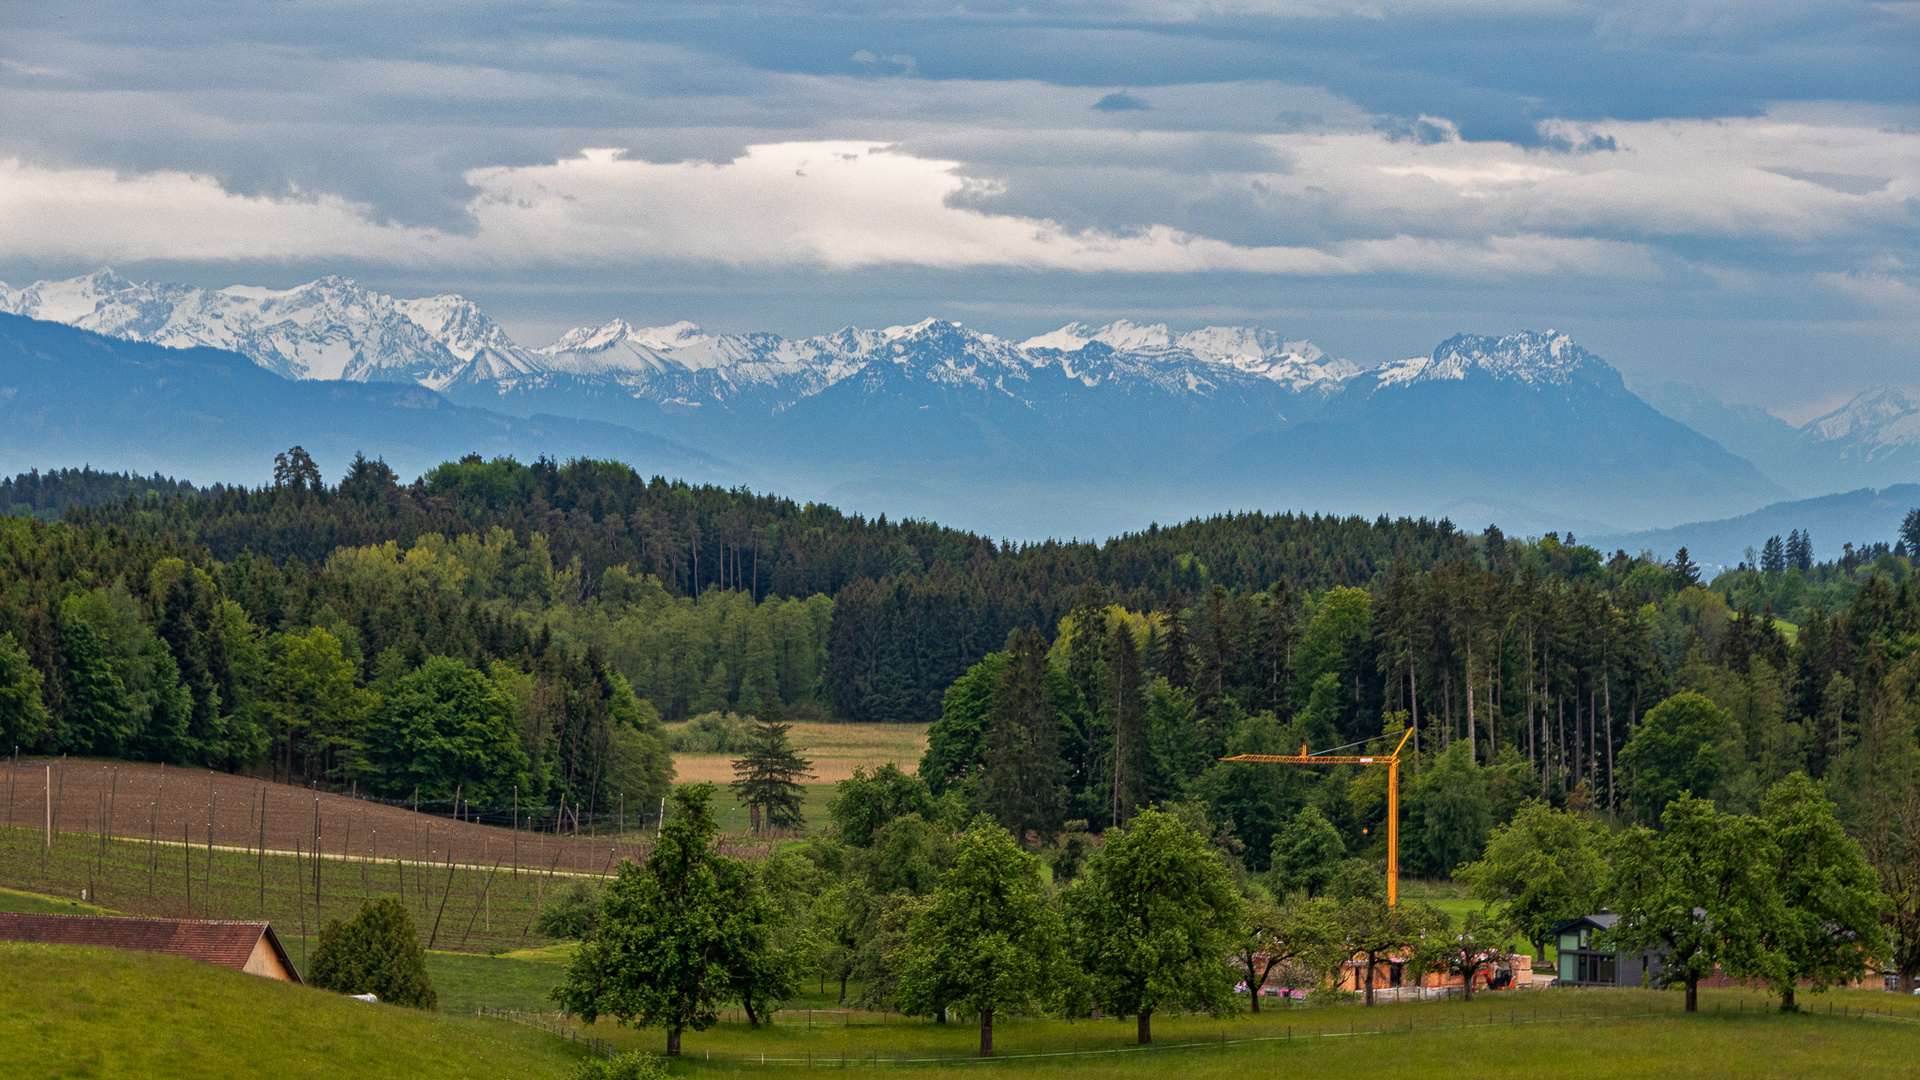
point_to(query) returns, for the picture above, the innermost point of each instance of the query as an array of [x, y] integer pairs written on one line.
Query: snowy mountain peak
[[680, 335], [1536, 359], [591, 338], [1884, 416]]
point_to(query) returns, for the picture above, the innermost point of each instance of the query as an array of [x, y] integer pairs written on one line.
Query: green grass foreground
[[83, 1012], [1625, 1033]]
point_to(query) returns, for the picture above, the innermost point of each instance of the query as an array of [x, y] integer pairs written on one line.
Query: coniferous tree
[[767, 776], [1175, 661], [1773, 556], [1021, 786], [1684, 569], [376, 952], [1132, 751]]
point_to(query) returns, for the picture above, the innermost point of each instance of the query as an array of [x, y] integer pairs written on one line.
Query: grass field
[[100, 1013], [835, 750], [74, 1012], [1515, 1033]]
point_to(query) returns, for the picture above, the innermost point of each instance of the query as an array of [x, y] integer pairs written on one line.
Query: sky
[[1720, 193]]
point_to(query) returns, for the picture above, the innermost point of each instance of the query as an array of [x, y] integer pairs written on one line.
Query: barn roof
[[228, 943]]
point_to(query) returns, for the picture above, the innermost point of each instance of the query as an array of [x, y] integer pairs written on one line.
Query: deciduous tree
[[985, 939], [1155, 916]]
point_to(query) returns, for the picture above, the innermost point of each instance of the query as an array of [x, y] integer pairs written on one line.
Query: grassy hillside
[[105, 1013]]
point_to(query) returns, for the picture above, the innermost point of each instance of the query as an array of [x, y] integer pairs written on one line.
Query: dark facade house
[[251, 947], [1584, 963]]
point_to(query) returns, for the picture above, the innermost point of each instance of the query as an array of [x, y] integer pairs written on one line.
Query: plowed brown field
[[153, 802]]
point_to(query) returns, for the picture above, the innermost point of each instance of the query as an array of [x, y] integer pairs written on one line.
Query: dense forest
[[352, 632]]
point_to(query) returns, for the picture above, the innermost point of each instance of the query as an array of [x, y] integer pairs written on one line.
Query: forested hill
[[48, 495], [915, 603], [497, 627]]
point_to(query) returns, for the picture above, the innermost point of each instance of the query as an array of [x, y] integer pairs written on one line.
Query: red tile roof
[[216, 941]]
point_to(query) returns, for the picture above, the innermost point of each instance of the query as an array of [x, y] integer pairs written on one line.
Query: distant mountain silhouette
[[70, 397]]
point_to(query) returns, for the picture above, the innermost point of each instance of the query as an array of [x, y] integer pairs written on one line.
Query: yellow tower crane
[[1391, 761]]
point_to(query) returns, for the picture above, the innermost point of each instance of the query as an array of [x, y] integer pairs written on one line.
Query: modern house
[[251, 947], [1583, 963]]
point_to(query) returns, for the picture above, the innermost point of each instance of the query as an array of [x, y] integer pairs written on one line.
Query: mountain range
[[1081, 431]]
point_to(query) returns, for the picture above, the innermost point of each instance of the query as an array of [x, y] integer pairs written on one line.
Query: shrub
[[572, 914], [709, 733], [375, 953], [633, 1066]]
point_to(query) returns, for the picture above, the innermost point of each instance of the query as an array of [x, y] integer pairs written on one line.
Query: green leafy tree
[[1828, 930], [1685, 745], [1274, 935], [1698, 894], [1306, 854], [957, 742], [1372, 930], [446, 728], [679, 936], [1155, 917], [376, 952], [23, 717], [984, 939], [1456, 813], [1479, 945], [311, 703], [1543, 867], [865, 802]]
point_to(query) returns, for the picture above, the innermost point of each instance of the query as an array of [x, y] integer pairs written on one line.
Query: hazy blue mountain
[[1747, 430], [1081, 431], [70, 397], [1865, 516], [1530, 417]]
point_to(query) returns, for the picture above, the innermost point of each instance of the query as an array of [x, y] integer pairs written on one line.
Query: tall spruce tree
[[1021, 787], [767, 776], [1132, 751]]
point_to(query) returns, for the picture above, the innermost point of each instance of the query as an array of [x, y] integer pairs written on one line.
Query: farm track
[[153, 803]]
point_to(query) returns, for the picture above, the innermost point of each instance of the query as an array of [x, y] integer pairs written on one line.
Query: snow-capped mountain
[[1534, 359], [1529, 418], [1081, 430], [335, 329], [326, 329]]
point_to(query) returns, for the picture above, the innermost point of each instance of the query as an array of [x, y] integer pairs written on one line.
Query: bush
[[572, 914], [376, 953], [709, 733], [633, 1066]]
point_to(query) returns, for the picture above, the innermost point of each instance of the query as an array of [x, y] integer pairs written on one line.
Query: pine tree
[[767, 776], [1021, 786], [1684, 567], [1773, 556], [1175, 663], [1132, 748], [1800, 550], [1910, 533]]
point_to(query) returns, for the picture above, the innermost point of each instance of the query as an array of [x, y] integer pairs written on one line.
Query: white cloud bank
[[1446, 209]]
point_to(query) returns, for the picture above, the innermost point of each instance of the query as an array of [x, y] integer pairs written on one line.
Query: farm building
[[251, 947]]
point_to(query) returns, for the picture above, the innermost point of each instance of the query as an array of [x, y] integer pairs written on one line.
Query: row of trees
[[937, 923]]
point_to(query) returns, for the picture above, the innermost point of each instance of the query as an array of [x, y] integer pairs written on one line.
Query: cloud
[[1314, 204], [1121, 102], [833, 205]]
